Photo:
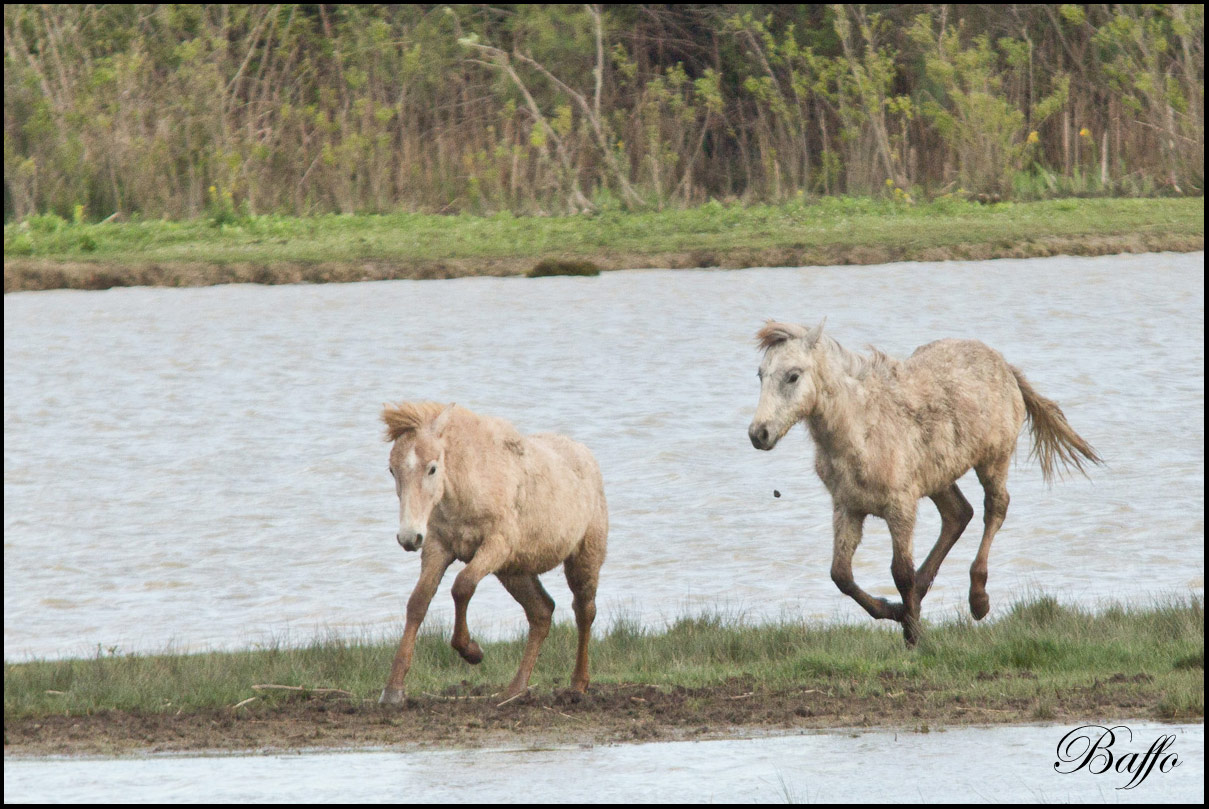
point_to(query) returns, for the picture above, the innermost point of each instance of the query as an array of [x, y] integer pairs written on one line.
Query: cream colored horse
[[887, 433], [472, 488]]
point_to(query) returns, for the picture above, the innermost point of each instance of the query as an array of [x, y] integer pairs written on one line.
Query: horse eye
[[792, 378], [432, 470], [391, 469]]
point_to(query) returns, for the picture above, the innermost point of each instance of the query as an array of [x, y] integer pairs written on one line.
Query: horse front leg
[[434, 561], [848, 526], [488, 559]]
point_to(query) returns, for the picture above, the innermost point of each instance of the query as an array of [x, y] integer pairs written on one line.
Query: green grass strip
[[828, 222], [1039, 646]]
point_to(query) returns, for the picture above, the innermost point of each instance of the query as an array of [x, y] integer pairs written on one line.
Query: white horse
[[472, 488], [887, 433]]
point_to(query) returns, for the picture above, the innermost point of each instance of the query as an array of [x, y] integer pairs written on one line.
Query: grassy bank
[[1041, 661], [47, 252]]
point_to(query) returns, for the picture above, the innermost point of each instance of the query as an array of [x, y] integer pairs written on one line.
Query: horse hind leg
[[902, 567], [583, 572], [539, 609], [993, 478], [848, 526], [955, 515]]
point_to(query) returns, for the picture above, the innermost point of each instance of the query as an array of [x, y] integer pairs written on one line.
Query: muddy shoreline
[[608, 714], [25, 274]]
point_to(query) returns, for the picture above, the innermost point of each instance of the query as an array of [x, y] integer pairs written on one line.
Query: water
[[204, 467], [983, 765]]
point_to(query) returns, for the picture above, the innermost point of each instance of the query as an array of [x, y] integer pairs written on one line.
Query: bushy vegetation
[[219, 112]]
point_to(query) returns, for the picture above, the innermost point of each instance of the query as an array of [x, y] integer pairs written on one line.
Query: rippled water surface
[[969, 765], [204, 467]]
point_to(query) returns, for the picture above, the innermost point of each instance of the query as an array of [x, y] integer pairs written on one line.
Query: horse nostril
[[759, 438], [419, 538]]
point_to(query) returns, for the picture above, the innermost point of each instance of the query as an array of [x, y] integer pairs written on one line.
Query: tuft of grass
[[1192, 661], [1182, 699], [1044, 711], [559, 266], [1040, 612]]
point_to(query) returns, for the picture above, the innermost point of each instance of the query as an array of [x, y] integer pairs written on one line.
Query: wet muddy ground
[[609, 713]]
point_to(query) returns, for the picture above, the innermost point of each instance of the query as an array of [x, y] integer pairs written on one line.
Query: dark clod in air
[[775, 493]]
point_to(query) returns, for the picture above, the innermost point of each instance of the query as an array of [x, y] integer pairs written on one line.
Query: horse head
[[788, 387], [417, 463]]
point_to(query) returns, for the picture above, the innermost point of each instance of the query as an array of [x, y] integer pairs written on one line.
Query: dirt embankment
[[22, 274], [607, 714]]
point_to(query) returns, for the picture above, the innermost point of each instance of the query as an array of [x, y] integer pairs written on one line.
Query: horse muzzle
[[760, 437], [410, 540]]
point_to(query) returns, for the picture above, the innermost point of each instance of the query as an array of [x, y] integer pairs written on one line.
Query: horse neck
[[468, 469], [836, 422], [460, 470]]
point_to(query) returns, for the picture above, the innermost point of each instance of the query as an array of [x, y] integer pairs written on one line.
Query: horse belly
[[533, 560], [885, 479], [853, 485], [549, 535]]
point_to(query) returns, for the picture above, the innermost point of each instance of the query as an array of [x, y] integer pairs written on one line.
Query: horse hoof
[[392, 696], [472, 654], [980, 605]]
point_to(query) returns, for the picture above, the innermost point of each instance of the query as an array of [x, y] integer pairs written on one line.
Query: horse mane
[[408, 416], [774, 333], [855, 365], [878, 363]]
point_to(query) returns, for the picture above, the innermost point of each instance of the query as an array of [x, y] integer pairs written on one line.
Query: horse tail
[[1053, 438]]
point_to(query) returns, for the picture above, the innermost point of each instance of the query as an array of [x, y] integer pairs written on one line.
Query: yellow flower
[[889, 182], [1085, 132], [1033, 137]]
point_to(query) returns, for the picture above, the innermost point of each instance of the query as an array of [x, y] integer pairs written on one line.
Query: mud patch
[[464, 717]]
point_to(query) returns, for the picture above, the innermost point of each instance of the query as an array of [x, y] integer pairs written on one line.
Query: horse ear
[[442, 420], [813, 335]]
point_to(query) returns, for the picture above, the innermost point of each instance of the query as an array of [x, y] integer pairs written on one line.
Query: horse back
[[961, 400], [542, 493], [554, 500], [565, 470]]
